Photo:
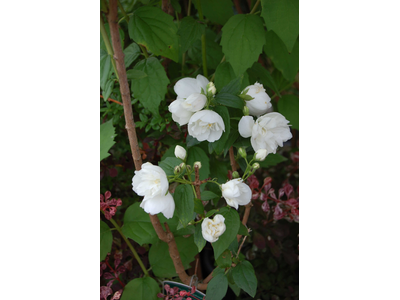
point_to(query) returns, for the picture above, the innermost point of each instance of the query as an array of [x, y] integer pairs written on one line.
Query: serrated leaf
[[198, 207], [213, 51], [169, 164], [287, 63], [198, 237], [242, 41], [234, 288], [105, 68], [282, 16], [197, 154], [217, 287], [211, 212], [208, 195], [137, 225], [184, 203], [130, 54], [107, 135], [229, 100], [288, 106], [108, 89], [161, 262], [258, 73], [224, 260], [189, 31], [245, 278], [106, 239], [243, 230], [145, 288], [216, 11], [135, 74], [153, 28], [232, 223], [233, 87], [219, 145], [150, 90], [224, 74]]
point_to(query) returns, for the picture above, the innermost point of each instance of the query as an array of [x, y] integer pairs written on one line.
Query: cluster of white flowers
[[152, 183], [204, 125]]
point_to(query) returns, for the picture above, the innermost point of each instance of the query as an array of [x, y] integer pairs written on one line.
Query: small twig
[[112, 100], [232, 159], [240, 248]]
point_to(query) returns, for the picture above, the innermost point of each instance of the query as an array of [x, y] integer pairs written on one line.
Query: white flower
[[194, 102], [261, 102], [187, 86], [211, 90], [179, 114], [206, 125], [180, 152], [246, 124], [269, 132], [261, 154], [213, 229], [236, 192], [152, 183]]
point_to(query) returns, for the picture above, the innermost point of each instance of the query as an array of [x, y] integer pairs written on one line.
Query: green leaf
[[130, 54], [216, 11], [177, 7], [232, 223], [135, 74], [243, 230], [169, 164], [272, 160], [108, 89], [219, 145], [258, 73], [282, 16], [233, 87], [208, 195], [229, 100], [242, 41], [224, 74], [245, 278], [198, 237], [198, 207], [145, 288], [161, 261], [197, 154], [153, 28], [106, 239], [287, 63], [213, 51], [219, 169], [190, 31], [288, 106], [211, 212], [235, 289], [121, 37], [224, 260], [137, 225], [150, 90], [105, 68], [217, 287], [184, 203], [107, 135]]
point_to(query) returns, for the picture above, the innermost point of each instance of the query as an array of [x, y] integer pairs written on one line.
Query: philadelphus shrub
[[236, 192], [152, 183], [261, 102], [212, 229], [267, 132], [206, 125]]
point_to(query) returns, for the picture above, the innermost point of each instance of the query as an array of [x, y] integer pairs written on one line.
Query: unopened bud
[[211, 90], [256, 166], [246, 111], [177, 170], [188, 168], [261, 154], [242, 152], [182, 166], [198, 164], [180, 152], [235, 174]]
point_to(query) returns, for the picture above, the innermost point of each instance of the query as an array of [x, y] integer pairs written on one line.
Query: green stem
[[108, 45], [123, 11], [203, 41], [189, 7], [144, 51], [255, 7], [130, 247]]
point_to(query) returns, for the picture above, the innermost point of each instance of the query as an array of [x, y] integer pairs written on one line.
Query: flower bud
[[261, 154], [182, 166], [246, 111], [235, 174], [180, 152], [242, 152], [211, 90], [189, 168], [255, 166], [198, 164], [177, 170]]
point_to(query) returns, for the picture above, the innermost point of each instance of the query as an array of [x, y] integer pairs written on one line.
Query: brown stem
[[237, 5], [240, 248], [245, 217], [112, 100], [232, 159], [130, 127]]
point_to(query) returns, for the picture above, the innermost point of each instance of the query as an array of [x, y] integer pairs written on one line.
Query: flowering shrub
[[186, 156]]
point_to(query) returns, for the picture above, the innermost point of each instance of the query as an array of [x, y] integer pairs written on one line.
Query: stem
[[123, 12], [112, 270], [112, 100], [255, 7], [130, 247], [183, 63], [232, 159], [144, 51], [240, 248], [203, 41], [108, 45], [189, 7]]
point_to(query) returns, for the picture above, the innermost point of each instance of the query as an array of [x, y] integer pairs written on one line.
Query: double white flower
[[152, 183], [261, 102], [212, 229], [236, 192], [206, 125], [267, 132]]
